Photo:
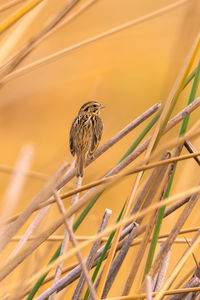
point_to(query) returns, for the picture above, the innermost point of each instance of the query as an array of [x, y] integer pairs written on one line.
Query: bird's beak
[[102, 106]]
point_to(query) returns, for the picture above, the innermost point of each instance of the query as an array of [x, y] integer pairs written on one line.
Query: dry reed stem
[[50, 28], [177, 269], [176, 89], [97, 190], [61, 53], [92, 255], [113, 248], [148, 286], [151, 187], [14, 190], [140, 255], [108, 179], [163, 270], [143, 295], [34, 224], [30, 174], [70, 221], [15, 60], [194, 281], [184, 278], [160, 127], [117, 236], [11, 41], [188, 145], [6, 269], [19, 14], [75, 273], [71, 17], [158, 175], [44, 194], [92, 193], [32, 227], [9, 4], [59, 238], [68, 226], [16, 184], [195, 260], [152, 179], [114, 269], [178, 225]]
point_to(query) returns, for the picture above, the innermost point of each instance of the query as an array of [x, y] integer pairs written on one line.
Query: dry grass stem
[[61, 53], [85, 199], [150, 184], [71, 17], [70, 221], [194, 281], [131, 171], [140, 253], [196, 262], [177, 227], [188, 145], [11, 41], [50, 28], [9, 4], [148, 285], [19, 14], [156, 180], [44, 194], [177, 269], [163, 270], [114, 246], [171, 101], [75, 244], [30, 174], [143, 295], [16, 184], [6, 269], [151, 180], [14, 190], [34, 224], [80, 238], [115, 267], [15, 60], [75, 273], [92, 255]]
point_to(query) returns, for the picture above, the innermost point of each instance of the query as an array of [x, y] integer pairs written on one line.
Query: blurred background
[[128, 72]]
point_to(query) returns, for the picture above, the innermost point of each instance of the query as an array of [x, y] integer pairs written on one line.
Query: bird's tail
[[80, 165]]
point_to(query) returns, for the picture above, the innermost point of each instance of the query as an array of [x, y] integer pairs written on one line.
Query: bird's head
[[92, 107]]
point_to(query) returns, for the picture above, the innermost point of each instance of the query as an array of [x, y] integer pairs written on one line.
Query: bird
[[85, 134]]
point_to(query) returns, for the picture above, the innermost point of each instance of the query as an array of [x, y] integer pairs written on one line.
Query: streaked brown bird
[[85, 133]]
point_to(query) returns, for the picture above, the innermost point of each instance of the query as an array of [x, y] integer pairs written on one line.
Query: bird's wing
[[97, 133], [71, 139]]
